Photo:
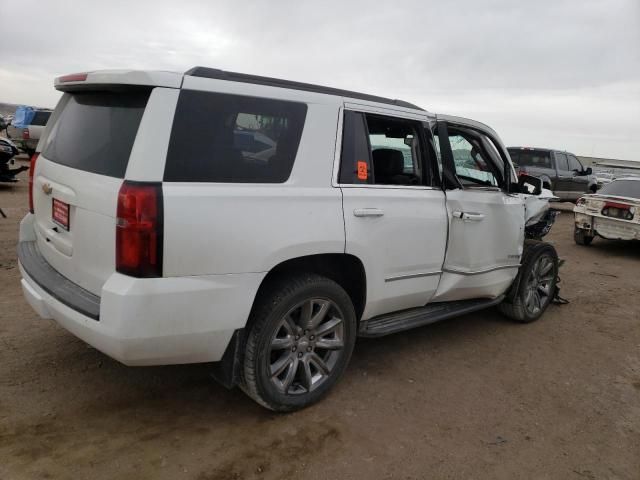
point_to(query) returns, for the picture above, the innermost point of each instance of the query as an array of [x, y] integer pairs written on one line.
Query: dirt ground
[[474, 397]]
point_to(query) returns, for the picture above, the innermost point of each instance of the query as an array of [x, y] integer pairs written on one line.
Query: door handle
[[469, 216], [368, 212]]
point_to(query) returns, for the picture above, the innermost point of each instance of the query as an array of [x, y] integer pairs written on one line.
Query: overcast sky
[[552, 73]]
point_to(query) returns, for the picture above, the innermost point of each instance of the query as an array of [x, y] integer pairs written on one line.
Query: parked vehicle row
[[264, 224]]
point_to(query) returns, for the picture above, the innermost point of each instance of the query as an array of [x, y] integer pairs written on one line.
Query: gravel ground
[[473, 397]]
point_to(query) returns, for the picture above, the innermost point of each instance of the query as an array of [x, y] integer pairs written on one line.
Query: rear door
[[486, 223], [394, 212], [79, 171]]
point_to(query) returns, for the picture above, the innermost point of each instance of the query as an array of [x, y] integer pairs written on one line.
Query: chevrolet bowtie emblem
[[46, 188]]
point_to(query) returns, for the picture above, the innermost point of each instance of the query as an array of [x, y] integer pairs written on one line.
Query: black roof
[[218, 74]]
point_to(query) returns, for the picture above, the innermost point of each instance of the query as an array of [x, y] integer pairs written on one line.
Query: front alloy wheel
[[536, 284], [540, 282]]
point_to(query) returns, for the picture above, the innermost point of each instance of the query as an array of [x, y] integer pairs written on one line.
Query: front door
[[394, 214], [486, 223]]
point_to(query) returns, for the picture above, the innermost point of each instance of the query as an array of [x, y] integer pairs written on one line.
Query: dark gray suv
[[561, 172]]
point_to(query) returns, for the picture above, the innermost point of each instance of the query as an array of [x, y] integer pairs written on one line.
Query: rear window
[[96, 130], [531, 158], [622, 188], [40, 118], [231, 138]]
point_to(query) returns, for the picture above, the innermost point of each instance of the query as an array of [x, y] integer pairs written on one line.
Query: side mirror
[[588, 171], [529, 185]]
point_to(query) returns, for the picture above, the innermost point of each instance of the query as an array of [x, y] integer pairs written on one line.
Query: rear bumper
[[152, 321], [607, 228]]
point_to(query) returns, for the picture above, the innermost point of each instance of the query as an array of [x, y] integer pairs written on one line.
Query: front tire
[[581, 238], [536, 283], [302, 334]]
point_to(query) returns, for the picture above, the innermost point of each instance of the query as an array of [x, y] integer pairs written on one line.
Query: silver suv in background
[[561, 172], [27, 137]]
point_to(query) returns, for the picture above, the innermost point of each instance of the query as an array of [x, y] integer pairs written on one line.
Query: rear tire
[[535, 286], [302, 333], [581, 238]]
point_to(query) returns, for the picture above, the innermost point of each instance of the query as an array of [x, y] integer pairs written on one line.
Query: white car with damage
[[158, 237], [613, 213]]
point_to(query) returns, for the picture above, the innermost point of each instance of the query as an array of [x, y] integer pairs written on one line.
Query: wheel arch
[[345, 269]]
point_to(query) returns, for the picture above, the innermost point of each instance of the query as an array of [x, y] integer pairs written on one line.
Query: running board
[[417, 317]]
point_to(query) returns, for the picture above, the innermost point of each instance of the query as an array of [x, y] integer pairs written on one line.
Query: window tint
[[473, 167], [561, 161], [232, 138], [96, 130], [531, 158], [574, 164], [40, 118]]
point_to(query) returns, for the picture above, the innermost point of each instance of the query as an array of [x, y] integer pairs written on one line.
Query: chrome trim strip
[[411, 275], [488, 270]]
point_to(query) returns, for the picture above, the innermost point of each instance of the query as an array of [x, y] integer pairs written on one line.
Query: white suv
[[264, 224]]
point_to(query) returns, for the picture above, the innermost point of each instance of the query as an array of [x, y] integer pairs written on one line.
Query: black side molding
[[215, 73], [416, 317], [55, 284]]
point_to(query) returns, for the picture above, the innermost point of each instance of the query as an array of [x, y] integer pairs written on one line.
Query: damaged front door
[[486, 222]]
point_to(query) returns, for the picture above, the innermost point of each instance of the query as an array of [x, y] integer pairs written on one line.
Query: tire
[[289, 363], [581, 238], [535, 285]]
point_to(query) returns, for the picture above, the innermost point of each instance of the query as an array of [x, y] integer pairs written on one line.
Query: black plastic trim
[[55, 284], [215, 73]]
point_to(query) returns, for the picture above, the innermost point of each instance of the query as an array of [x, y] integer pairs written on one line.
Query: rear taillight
[[32, 171], [139, 229], [25, 134]]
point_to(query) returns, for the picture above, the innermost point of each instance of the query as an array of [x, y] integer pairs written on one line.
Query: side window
[[574, 164], [231, 138], [395, 151], [380, 150], [473, 166], [561, 162]]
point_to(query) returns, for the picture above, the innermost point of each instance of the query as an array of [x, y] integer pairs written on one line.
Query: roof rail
[[218, 74]]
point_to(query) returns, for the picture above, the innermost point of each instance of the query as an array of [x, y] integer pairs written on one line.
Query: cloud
[[557, 73]]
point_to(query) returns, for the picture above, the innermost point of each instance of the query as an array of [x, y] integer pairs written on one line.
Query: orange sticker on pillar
[[363, 173]]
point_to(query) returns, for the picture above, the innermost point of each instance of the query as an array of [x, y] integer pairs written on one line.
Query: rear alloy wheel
[[581, 238], [535, 285], [300, 342]]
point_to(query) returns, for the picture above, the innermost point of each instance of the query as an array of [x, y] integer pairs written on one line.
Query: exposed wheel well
[[346, 270]]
